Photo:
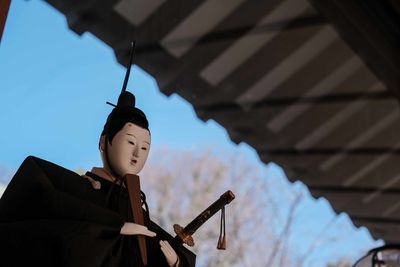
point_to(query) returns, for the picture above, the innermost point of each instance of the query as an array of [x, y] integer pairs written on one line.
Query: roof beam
[[291, 100], [375, 219], [352, 189], [330, 151]]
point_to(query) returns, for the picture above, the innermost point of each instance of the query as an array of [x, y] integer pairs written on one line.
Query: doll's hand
[[169, 253], [136, 229]]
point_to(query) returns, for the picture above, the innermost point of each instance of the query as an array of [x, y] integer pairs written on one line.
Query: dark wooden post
[[4, 7]]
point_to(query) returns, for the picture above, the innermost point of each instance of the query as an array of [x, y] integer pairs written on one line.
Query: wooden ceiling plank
[[325, 85], [212, 44], [249, 44], [185, 35], [361, 139], [325, 128], [371, 29]]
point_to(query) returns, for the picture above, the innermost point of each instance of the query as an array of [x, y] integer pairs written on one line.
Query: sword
[[184, 235]]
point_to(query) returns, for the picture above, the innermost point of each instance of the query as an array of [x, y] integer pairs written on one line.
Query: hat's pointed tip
[[126, 99], [128, 69]]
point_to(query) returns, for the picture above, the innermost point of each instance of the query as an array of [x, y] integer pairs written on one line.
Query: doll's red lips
[[133, 161]]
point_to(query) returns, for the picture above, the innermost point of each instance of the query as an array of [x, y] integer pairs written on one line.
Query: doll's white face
[[129, 149]]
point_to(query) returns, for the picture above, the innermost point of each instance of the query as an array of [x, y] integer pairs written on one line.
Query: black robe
[[52, 217]]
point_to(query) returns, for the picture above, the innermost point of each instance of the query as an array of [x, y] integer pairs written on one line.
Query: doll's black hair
[[124, 113]]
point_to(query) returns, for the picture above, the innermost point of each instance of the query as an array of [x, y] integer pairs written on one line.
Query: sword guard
[[187, 239]]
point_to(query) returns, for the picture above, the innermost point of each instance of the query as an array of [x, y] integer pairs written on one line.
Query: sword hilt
[[185, 234]]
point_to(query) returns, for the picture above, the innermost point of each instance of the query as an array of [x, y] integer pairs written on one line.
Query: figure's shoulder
[[44, 165], [37, 170], [29, 160], [39, 175], [36, 160]]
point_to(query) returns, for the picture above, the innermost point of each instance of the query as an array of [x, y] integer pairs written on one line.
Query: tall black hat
[[122, 113], [125, 110]]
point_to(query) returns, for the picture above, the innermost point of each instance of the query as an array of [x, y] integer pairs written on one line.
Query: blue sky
[[53, 89]]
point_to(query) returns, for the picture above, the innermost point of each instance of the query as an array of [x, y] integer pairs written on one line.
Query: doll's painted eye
[[132, 143], [144, 148]]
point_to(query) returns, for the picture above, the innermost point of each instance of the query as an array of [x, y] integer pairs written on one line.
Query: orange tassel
[[222, 240]]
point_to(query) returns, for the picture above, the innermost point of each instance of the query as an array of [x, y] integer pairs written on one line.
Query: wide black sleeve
[[46, 221]]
